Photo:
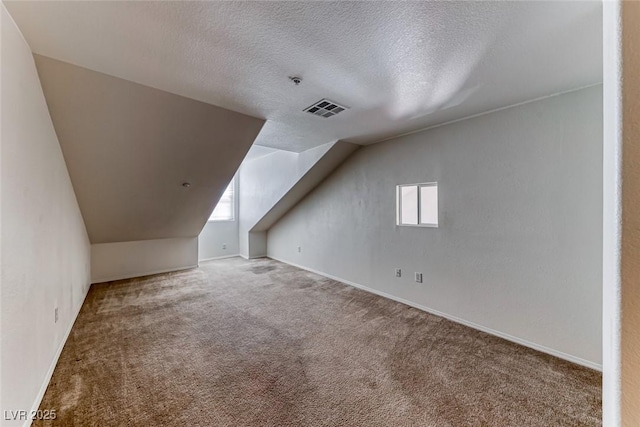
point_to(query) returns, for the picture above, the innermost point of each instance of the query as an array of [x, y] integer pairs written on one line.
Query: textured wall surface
[[264, 182], [44, 245], [312, 167], [122, 260], [611, 219], [215, 234], [519, 246], [271, 185]]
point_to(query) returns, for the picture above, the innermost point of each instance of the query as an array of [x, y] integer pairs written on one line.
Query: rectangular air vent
[[325, 108]]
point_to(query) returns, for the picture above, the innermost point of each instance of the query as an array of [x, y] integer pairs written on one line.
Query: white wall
[[263, 181], [121, 260], [257, 196], [215, 234], [273, 184], [519, 248], [611, 280], [314, 166], [45, 248]]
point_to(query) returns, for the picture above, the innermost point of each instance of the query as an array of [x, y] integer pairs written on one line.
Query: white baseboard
[[548, 350], [141, 274], [219, 257], [254, 257], [54, 362]]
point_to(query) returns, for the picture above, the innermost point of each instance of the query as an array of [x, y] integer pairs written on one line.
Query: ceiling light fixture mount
[[296, 80]]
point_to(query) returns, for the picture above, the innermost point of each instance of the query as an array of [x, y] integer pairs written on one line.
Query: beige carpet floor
[[261, 343]]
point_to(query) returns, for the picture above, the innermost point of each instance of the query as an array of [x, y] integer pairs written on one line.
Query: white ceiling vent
[[325, 108]]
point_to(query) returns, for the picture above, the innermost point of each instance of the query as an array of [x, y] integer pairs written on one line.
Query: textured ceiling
[[400, 66]]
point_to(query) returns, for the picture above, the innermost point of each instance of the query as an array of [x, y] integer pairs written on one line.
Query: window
[[225, 209], [417, 204]]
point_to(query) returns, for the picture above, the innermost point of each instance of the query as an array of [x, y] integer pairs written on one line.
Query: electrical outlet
[[55, 315], [419, 277], [299, 249], [398, 272], [224, 246]]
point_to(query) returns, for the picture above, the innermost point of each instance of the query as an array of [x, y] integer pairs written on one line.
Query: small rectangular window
[[417, 204], [429, 204], [409, 205], [225, 209]]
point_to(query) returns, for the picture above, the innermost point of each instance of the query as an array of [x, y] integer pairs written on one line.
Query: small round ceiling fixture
[[186, 184], [296, 80]]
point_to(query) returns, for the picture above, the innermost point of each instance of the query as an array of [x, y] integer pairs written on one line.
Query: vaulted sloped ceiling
[[129, 148], [398, 66], [307, 179]]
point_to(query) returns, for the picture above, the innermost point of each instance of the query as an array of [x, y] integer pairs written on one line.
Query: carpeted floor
[[261, 343]]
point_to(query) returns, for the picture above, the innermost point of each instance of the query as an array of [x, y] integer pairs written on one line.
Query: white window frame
[[232, 186], [399, 205]]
